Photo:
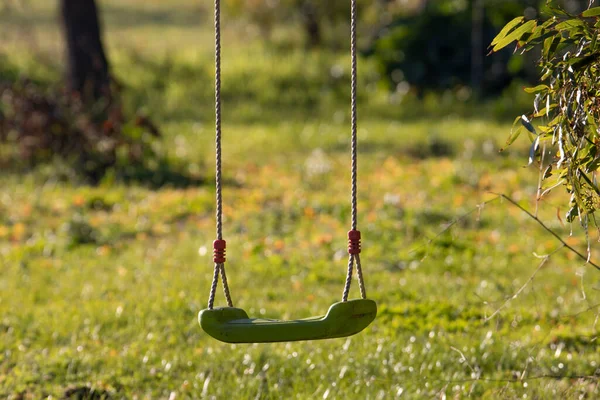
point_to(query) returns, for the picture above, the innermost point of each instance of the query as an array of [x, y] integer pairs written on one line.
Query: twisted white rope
[[353, 111], [354, 258], [219, 267]]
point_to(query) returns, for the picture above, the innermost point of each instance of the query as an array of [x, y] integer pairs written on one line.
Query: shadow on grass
[[86, 393], [163, 174]]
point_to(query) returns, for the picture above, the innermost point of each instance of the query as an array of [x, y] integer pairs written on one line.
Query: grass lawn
[[100, 287]]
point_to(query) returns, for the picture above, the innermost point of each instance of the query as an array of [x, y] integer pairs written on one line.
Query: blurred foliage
[[315, 17], [41, 123], [288, 87], [434, 49], [44, 123], [567, 105]]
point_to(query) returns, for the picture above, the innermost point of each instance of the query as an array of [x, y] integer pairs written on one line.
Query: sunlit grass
[[101, 286]]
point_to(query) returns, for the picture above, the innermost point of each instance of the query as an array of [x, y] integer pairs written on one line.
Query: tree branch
[[536, 219]]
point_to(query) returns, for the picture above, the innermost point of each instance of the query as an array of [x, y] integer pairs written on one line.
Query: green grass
[[100, 286]]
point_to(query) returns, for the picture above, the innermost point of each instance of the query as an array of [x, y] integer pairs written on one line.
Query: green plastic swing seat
[[232, 325]]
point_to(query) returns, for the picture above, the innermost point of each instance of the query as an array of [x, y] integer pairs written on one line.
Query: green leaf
[[551, 44], [547, 73], [544, 112], [537, 36], [507, 28], [570, 24], [592, 12], [514, 133], [515, 35], [537, 89], [557, 11]]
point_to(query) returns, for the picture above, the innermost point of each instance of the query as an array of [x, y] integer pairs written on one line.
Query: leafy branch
[[566, 108]]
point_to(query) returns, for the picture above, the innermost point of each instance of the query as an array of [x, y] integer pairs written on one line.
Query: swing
[[344, 318]]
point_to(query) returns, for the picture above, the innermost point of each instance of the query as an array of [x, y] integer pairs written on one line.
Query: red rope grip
[[353, 242], [219, 246]]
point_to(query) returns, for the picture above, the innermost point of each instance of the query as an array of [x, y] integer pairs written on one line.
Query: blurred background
[[152, 63]]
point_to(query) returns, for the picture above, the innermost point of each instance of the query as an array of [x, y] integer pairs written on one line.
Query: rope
[[219, 252], [353, 235], [218, 118], [354, 247], [213, 287], [348, 278], [352, 260], [361, 282], [354, 116], [226, 286]]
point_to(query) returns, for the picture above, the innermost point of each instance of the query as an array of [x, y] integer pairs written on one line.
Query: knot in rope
[[219, 247], [353, 242]]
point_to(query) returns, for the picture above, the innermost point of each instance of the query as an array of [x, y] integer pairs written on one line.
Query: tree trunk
[[312, 25], [477, 46], [88, 74]]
